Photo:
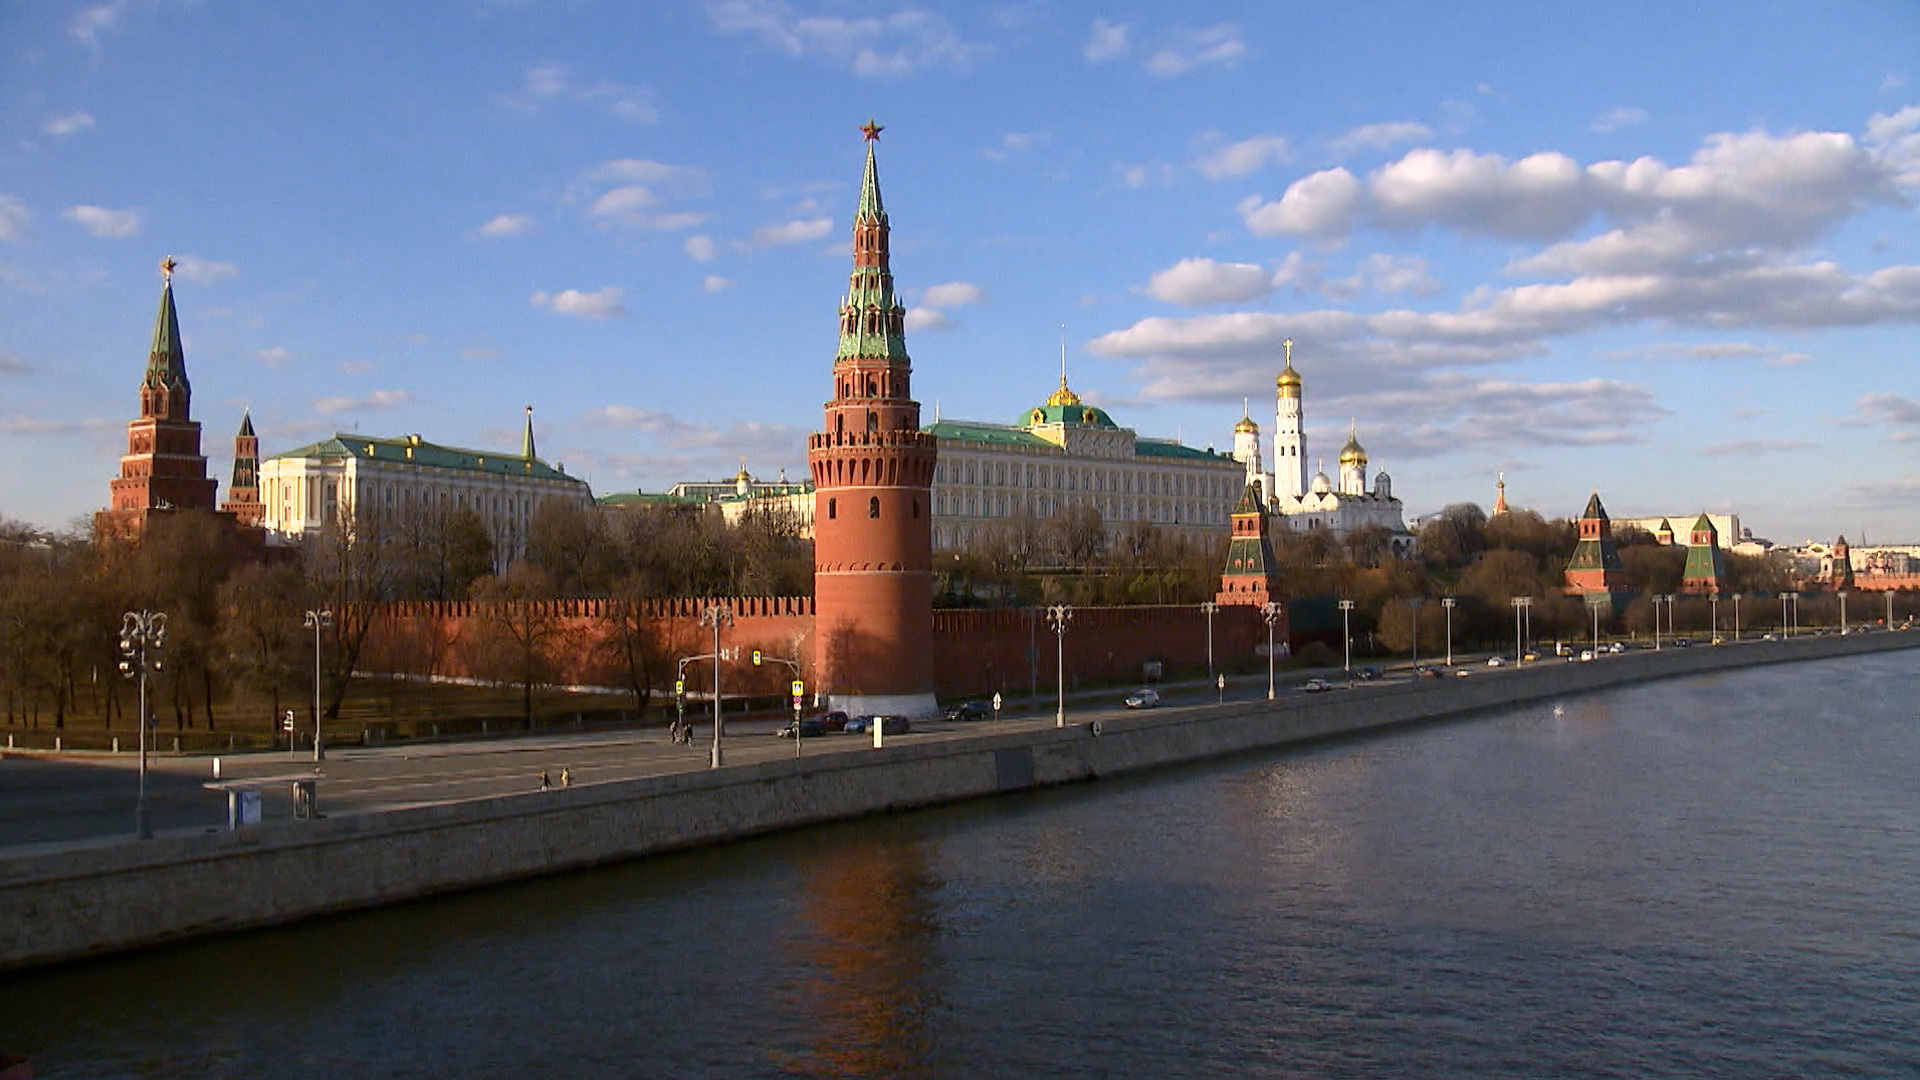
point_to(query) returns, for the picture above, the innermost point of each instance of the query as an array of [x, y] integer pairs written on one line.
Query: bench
[[243, 797]]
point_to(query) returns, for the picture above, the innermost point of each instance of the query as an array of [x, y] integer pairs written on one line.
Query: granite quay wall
[[979, 652], [84, 902]]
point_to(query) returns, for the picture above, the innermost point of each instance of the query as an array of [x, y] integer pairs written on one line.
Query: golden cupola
[[1289, 381], [1353, 453], [1246, 426], [1063, 396]]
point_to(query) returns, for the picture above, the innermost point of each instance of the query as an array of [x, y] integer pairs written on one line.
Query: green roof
[[998, 434], [412, 449], [1082, 415], [647, 498], [1171, 449], [166, 360]]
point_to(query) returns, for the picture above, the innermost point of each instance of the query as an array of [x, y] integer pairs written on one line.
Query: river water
[[1717, 876]]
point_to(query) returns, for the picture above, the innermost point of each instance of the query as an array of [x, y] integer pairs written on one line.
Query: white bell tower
[[1289, 435]]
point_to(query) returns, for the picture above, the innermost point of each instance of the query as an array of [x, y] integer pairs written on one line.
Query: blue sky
[[1670, 254]]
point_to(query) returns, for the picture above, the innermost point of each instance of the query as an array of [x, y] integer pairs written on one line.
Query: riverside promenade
[[87, 900]]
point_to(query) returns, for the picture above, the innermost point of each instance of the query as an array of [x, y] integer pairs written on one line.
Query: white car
[[1144, 698], [1498, 661], [1586, 656], [1315, 686]]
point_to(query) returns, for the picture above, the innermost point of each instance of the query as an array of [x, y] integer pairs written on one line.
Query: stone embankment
[[90, 901]]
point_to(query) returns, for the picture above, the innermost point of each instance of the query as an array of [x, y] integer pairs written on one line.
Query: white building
[[1067, 453], [394, 482], [1304, 504], [1679, 526]]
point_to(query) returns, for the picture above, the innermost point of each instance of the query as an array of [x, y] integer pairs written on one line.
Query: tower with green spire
[[1706, 570], [1252, 575], [243, 492], [1595, 569], [872, 470], [163, 468]]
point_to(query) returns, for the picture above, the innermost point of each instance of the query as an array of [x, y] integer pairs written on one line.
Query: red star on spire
[[871, 130]]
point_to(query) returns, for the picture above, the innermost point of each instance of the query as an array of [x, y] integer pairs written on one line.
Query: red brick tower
[[1595, 569], [1841, 576], [243, 494], [873, 510], [1706, 570], [1252, 576], [163, 468]]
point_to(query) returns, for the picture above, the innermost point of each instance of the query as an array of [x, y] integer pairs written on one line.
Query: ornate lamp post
[[1448, 603], [317, 621], [1594, 603], [1785, 630], [1843, 612], [717, 616], [1713, 618], [1346, 633], [1736, 616], [142, 635], [1889, 595], [1208, 608], [1520, 604], [1058, 616], [1658, 599], [1269, 611]]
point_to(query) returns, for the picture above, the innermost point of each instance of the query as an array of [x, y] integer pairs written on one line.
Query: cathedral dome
[[1246, 426], [1322, 485], [1063, 396], [1289, 381], [1353, 453]]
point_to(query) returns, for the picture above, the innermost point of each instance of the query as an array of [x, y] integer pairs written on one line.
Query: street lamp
[[1889, 595], [1785, 630], [1520, 604], [1713, 618], [1208, 608], [1658, 599], [1448, 603], [1414, 602], [317, 621], [1594, 604], [716, 616], [1269, 611], [1058, 616], [1843, 612], [1346, 634], [142, 635], [1736, 616]]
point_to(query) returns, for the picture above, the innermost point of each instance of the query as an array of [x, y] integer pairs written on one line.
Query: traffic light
[[756, 658]]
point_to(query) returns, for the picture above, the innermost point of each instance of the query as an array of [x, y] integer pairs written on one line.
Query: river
[[1714, 876]]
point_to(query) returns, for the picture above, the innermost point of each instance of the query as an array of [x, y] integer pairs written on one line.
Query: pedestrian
[[545, 784], [566, 777]]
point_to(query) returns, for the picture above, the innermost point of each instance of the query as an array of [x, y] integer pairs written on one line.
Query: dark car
[[833, 721], [1370, 672], [967, 710], [810, 728], [889, 725]]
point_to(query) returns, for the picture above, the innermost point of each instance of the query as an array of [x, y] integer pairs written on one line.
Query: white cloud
[[203, 271], [378, 399], [14, 218], [1380, 136], [1894, 140], [67, 124], [603, 304], [1204, 281], [1188, 49], [1108, 41], [1297, 272], [1016, 142], [1146, 174], [1614, 119], [550, 83], [953, 294], [274, 357], [87, 26], [700, 248], [715, 283], [1244, 157], [1893, 410], [633, 204], [869, 46], [12, 365], [1324, 203], [927, 319], [1396, 274], [792, 232], [503, 226], [645, 171], [104, 223], [1755, 447]]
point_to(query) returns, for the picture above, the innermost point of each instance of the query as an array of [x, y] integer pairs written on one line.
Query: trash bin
[[243, 807], [306, 800]]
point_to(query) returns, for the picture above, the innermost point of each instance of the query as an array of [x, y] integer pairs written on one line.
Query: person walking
[[545, 784], [566, 777]]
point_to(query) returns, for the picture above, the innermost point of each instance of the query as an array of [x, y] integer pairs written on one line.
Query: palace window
[[873, 507]]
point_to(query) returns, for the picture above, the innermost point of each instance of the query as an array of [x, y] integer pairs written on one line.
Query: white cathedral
[[1304, 505]]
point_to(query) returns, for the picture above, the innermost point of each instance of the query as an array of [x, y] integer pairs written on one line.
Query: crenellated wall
[[975, 652]]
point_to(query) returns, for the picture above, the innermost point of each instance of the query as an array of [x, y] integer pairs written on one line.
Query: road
[[49, 800]]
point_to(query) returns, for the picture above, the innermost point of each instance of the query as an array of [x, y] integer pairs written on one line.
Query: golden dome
[[1353, 453], [1063, 396], [1246, 426], [1289, 380]]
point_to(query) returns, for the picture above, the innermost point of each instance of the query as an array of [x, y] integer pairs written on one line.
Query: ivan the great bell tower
[[873, 511]]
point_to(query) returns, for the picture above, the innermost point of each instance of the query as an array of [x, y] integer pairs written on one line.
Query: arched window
[[873, 507], [873, 420], [833, 509]]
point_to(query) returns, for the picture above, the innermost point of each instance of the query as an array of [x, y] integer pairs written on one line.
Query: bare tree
[[519, 630]]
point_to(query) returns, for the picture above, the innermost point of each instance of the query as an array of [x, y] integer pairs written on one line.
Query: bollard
[[116, 744], [56, 744], [216, 767], [9, 741], [176, 744]]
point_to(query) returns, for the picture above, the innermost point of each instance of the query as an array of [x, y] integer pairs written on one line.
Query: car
[[1315, 686], [1498, 661], [1561, 648], [1617, 648], [1530, 656], [810, 728], [834, 720], [1463, 672], [889, 725], [1144, 698], [1682, 643], [1586, 656], [1769, 637], [966, 711], [1426, 671], [1370, 672]]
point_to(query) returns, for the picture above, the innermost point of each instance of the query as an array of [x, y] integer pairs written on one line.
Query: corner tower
[[873, 480], [1252, 574], [1706, 570], [163, 468], [1595, 568]]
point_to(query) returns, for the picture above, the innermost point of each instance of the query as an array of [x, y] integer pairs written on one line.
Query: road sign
[[679, 686], [286, 722], [756, 658], [799, 688], [996, 701]]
